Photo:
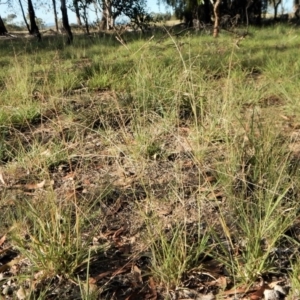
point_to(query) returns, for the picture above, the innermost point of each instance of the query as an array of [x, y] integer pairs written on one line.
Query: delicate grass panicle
[[159, 166]]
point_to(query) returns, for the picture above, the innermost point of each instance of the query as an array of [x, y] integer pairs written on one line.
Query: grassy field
[[166, 167]]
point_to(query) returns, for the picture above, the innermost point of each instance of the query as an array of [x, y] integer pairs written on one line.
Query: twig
[[119, 39]]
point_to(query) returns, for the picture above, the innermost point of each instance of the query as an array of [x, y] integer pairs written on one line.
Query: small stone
[[271, 295]]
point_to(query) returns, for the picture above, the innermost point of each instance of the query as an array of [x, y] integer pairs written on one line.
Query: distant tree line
[[250, 11], [220, 11], [107, 11]]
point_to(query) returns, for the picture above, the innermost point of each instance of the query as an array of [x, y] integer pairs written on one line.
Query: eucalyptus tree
[[84, 4], [23, 15], [55, 14], [65, 21], [135, 10], [3, 29], [202, 10], [245, 11], [217, 17], [34, 29], [81, 10], [297, 9], [107, 18], [81, 7], [275, 4], [32, 26], [188, 10], [77, 12], [10, 18]]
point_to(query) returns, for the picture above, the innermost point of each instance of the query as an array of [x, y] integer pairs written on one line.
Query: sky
[[48, 17]]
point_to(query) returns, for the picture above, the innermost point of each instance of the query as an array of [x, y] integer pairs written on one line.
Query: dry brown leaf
[[184, 129], [285, 117], [21, 295], [275, 283], [86, 182], [124, 248], [164, 212], [93, 280], [89, 287], [211, 283], [41, 184], [116, 207], [152, 286], [255, 297], [222, 282], [70, 176], [209, 296], [4, 250], [124, 182], [1, 179], [215, 194], [95, 241], [38, 275], [210, 179], [108, 233], [137, 274], [240, 290], [188, 164], [70, 194], [33, 186], [119, 231], [15, 270], [259, 293], [212, 269], [121, 270], [46, 153], [2, 240], [295, 125]]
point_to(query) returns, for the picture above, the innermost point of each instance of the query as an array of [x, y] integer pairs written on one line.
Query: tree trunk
[[297, 9], [107, 21], [65, 21], [86, 20], [204, 12], [217, 18], [77, 13], [207, 11], [24, 17], [96, 10], [276, 8], [33, 26], [3, 30], [259, 12], [275, 12], [55, 14]]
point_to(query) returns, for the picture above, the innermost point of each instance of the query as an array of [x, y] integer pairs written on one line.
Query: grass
[[151, 170]]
